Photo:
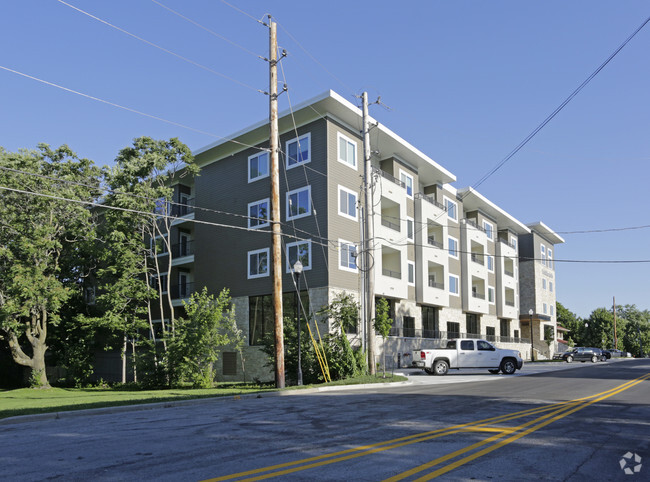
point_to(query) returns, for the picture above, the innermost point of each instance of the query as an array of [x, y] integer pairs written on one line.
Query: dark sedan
[[583, 354]]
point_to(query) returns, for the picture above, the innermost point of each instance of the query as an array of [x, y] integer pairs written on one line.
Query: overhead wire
[[128, 109], [185, 59]]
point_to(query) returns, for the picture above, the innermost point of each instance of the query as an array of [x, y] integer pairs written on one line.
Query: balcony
[[430, 200], [183, 208], [478, 258], [183, 249], [182, 291], [508, 273], [432, 242], [510, 303], [472, 223], [389, 224], [477, 295], [434, 284], [391, 274], [385, 175], [505, 241]]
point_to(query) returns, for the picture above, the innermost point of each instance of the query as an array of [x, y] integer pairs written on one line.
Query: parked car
[[614, 353], [582, 354], [600, 353]]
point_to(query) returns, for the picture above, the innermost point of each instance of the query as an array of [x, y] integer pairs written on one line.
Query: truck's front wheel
[[508, 366], [440, 367]]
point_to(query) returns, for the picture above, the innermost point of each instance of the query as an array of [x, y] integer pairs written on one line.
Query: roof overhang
[[474, 200], [546, 232], [329, 105]]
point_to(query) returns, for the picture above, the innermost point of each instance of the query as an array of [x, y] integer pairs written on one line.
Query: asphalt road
[[559, 422]]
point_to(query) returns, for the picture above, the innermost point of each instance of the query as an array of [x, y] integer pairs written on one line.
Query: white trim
[[347, 243], [340, 137], [444, 202], [491, 235], [457, 293], [268, 167], [455, 256], [406, 174], [356, 200], [301, 215], [305, 266], [412, 238], [268, 212], [408, 264], [490, 257], [298, 140], [248, 264]]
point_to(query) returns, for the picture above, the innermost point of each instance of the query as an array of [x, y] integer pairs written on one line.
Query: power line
[[211, 32], [129, 109], [559, 108], [247, 14], [196, 64]]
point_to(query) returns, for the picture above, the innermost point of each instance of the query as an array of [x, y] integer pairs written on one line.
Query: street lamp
[[297, 269], [532, 345]]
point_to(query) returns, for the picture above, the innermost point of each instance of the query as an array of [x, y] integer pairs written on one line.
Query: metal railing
[[450, 335], [508, 273], [392, 179], [183, 249], [433, 242], [183, 209], [388, 224], [474, 225], [182, 291], [504, 241], [510, 303], [480, 296], [392, 274], [478, 258], [430, 200], [433, 284]]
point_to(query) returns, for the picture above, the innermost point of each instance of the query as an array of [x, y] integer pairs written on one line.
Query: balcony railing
[[450, 335], [392, 274], [433, 242], [508, 273], [505, 241], [388, 224], [184, 208], [183, 249], [433, 284], [510, 303], [430, 200], [182, 291], [474, 225], [385, 175], [478, 258], [480, 296]]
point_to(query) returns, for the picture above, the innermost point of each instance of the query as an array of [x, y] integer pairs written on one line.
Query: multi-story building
[[537, 286], [447, 260]]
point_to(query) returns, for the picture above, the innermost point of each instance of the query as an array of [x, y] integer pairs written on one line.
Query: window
[[300, 250], [473, 325], [490, 334], [409, 326], [453, 331], [229, 365], [347, 203], [158, 245], [299, 151], [258, 166], [467, 345], [545, 308], [347, 151], [550, 286], [453, 284], [543, 251], [552, 310], [261, 319], [410, 229], [258, 263], [504, 327], [258, 213], [549, 256], [491, 294], [543, 283], [430, 322], [411, 273], [163, 282], [452, 209], [299, 203], [490, 263], [516, 333], [513, 243], [408, 182], [489, 229], [348, 259], [453, 247]]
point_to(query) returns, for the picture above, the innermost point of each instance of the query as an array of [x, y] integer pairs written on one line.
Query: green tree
[[599, 329], [570, 321], [635, 330], [44, 219], [383, 324], [199, 338]]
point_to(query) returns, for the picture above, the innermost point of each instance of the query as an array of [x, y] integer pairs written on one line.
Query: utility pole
[[368, 257], [615, 337], [275, 205]]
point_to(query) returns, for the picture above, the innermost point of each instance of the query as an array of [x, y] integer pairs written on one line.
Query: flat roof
[[331, 105], [543, 230], [472, 199]]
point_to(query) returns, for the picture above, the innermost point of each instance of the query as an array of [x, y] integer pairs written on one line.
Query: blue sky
[[466, 82]]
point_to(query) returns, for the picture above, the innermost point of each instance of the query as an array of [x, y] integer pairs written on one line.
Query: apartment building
[[538, 286], [448, 260]]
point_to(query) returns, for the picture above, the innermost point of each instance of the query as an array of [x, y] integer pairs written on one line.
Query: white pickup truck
[[467, 353]]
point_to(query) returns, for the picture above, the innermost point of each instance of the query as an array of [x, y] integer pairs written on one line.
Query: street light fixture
[[297, 270], [532, 345]]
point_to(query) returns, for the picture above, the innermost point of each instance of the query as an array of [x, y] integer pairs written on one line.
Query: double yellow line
[[549, 414]]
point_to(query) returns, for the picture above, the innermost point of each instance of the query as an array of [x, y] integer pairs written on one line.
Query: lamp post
[[532, 344], [297, 269]]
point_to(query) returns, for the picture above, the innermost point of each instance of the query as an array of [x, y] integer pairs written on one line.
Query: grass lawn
[[25, 401]]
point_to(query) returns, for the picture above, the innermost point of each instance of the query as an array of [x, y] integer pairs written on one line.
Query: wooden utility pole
[[275, 205], [369, 260], [615, 337]]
